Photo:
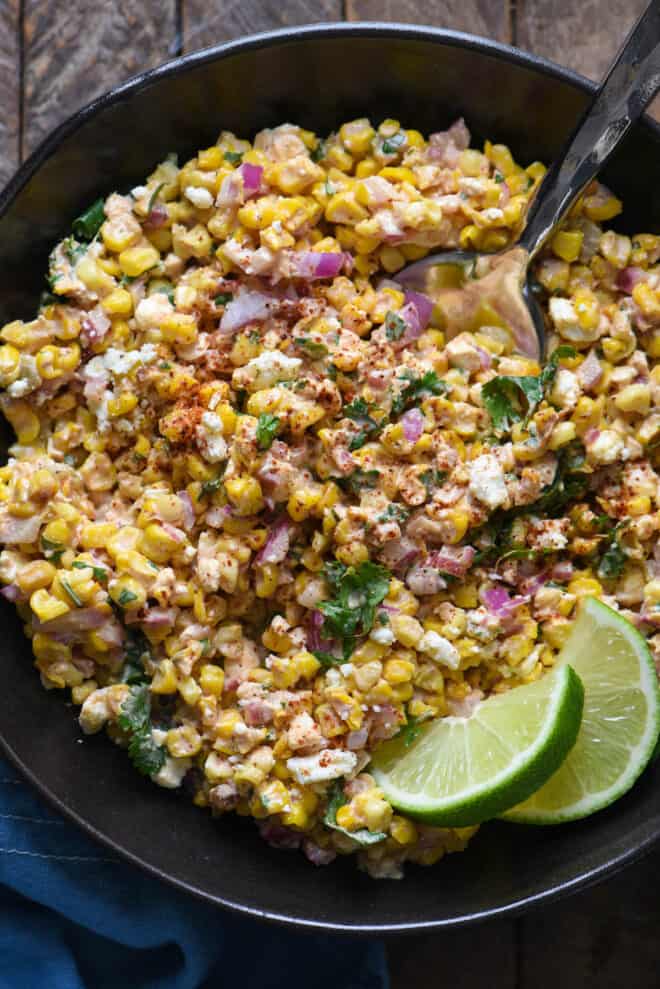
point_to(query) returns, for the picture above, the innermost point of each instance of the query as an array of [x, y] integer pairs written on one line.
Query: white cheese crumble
[[270, 367], [199, 197], [487, 481], [383, 635], [328, 764], [440, 650], [210, 439], [172, 772]]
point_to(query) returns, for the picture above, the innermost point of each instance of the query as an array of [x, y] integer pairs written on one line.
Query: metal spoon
[[502, 279]]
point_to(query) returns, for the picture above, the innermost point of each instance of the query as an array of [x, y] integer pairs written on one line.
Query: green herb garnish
[[358, 480], [319, 152], [126, 597], [210, 487], [233, 157], [313, 348], [135, 718], [154, 197], [327, 659], [136, 648], [394, 513], [100, 575], [267, 429], [410, 731], [88, 224], [70, 591], [359, 591], [510, 399], [52, 551], [432, 479], [395, 326], [428, 384], [223, 298], [392, 145], [614, 559]]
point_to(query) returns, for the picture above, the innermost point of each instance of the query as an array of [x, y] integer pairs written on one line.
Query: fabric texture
[[75, 916]]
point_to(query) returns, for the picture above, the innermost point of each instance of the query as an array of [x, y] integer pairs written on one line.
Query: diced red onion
[[15, 530], [277, 544], [562, 571], [13, 593], [423, 306], [94, 326], [455, 560], [111, 633], [314, 637], [629, 277], [399, 553], [188, 510], [425, 580], [276, 835], [215, 517], [413, 424], [257, 713], [316, 264], [157, 217], [172, 530], [499, 603], [484, 358], [159, 617], [357, 739], [590, 371], [72, 626], [247, 307], [591, 436], [251, 175], [316, 854], [466, 706]]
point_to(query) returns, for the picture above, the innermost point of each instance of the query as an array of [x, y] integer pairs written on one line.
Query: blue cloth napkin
[[74, 916]]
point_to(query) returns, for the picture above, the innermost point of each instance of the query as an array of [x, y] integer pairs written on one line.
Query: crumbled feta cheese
[[566, 389], [28, 378], [550, 534], [172, 772], [139, 191], [487, 481], [383, 635], [346, 668], [270, 367], [201, 198], [606, 447], [328, 764], [152, 311], [120, 362], [439, 649], [210, 439]]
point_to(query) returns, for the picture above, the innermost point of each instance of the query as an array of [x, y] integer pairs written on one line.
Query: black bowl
[[317, 77]]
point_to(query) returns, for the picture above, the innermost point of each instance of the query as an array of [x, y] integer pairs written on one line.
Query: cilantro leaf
[[393, 144], [410, 731], [233, 157], [223, 298], [154, 197], [210, 487], [267, 429], [394, 513], [358, 480], [359, 411], [52, 550], [336, 799], [429, 383], [334, 572], [327, 658], [135, 718], [70, 591], [395, 327], [137, 646], [614, 558], [125, 597], [319, 152], [359, 591], [312, 348], [510, 399], [432, 479], [100, 575], [88, 224]]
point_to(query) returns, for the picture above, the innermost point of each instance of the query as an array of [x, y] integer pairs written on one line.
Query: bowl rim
[[171, 68]]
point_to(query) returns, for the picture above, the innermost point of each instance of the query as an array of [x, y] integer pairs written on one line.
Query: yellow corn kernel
[[179, 328], [344, 208], [212, 680], [346, 818], [93, 277], [95, 535], [353, 554], [274, 796], [373, 809], [118, 303], [583, 585], [638, 505], [25, 422], [128, 593], [398, 671], [634, 398], [465, 596], [297, 818], [563, 433], [134, 261], [164, 680], [49, 650], [211, 158], [35, 575], [357, 135], [122, 405], [10, 359], [82, 691], [267, 580], [190, 691], [46, 606], [244, 492], [567, 244], [501, 157], [403, 831], [407, 630], [599, 209], [647, 299], [183, 742], [158, 544], [57, 532], [303, 502]]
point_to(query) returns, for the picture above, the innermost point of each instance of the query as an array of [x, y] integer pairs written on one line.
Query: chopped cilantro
[[100, 575], [395, 326], [392, 145], [614, 558], [410, 731], [569, 483], [429, 383], [432, 479], [267, 429], [73, 250], [327, 659], [313, 348], [136, 648], [126, 597], [359, 590], [498, 177], [358, 480], [135, 718], [210, 487], [336, 799], [233, 157], [510, 399], [52, 551], [319, 152], [70, 591], [223, 298], [154, 197], [88, 224], [394, 513]]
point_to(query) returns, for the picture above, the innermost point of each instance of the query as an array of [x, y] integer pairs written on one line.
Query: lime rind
[[559, 698], [597, 772]]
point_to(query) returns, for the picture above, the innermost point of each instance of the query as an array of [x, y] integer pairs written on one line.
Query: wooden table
[[56, 55]]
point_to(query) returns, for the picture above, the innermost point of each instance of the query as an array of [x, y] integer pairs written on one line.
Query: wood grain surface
[[208, 22], [488, 17], [58, 54], [10, 84], [76, 49]]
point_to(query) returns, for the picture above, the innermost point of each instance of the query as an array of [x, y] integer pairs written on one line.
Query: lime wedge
[[462, 771], [620, 724]]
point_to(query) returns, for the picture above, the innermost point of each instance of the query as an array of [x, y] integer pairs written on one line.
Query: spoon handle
[[627, 90]]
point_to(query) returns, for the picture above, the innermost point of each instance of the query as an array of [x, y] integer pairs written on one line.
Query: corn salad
[[264, 511]]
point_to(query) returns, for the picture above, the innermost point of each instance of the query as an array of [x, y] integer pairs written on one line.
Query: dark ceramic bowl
[[316, 77]]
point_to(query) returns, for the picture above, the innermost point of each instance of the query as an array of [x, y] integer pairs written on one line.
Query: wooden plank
[[208, 22], [487, 17], [10, 74], [74, 51], [604, 938], [472, 958]]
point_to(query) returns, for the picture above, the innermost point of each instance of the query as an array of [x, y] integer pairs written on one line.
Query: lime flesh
[[462, 771], [620, 723]]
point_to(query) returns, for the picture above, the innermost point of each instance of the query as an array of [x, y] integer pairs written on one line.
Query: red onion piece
[[257, 713], [423, 305], [157, 217], [591, 436], [277, 835], [94, 326], [425, 580], [357, 739], [316, 264], [454, 560], [159, 617], [629, 277], [277, 544], [314, 627], [590, 371], [246, 307], [172, 530], [562, 571], [499, 603], [72, 626], [399, 553], [251, 175], [13, 593], [413, 424], [484, 358], [188, 510], [316, 854]]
